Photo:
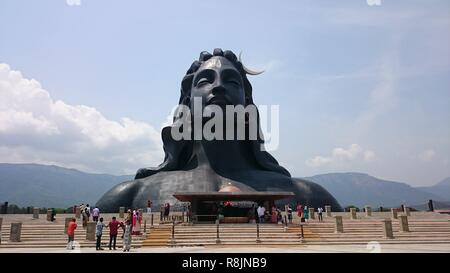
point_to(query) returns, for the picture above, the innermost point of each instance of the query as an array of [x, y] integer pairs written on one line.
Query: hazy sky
[[89, 83]]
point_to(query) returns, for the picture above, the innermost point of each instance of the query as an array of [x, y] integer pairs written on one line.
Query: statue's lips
[[218, 100]]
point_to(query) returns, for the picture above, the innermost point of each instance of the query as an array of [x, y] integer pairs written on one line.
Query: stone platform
[[428, 232]]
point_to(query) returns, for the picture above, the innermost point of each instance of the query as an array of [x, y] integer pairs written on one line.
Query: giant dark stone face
[[207, 165]]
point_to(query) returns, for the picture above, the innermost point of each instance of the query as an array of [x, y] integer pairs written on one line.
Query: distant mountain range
[[53, 186], [361, 189], [441, 189]]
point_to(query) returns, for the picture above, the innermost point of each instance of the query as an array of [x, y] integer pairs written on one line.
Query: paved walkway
[[371, 248]]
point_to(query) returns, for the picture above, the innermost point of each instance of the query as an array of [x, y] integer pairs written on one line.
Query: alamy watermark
[[227, 122]]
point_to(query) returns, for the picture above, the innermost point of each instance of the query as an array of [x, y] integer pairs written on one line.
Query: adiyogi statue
[[196, 163]]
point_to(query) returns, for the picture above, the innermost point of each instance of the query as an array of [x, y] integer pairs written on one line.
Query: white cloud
[[318, 161], [354, 152], [272, 65], [383, 97], [427, 155], [369, 155], [373, 2], [73, 2], [36, 128]]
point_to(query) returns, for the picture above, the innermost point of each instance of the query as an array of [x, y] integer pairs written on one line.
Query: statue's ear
[[186, 84]]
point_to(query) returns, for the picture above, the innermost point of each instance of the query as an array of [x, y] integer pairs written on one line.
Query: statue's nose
[[219, 89]]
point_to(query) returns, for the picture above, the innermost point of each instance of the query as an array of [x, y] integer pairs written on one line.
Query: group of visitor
[[275, 215], [130, 226], [135, 218], [86, 213], [165, 212], [113, 227], [303, 213]]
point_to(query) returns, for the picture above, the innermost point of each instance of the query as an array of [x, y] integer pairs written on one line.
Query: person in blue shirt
[[98, 232]]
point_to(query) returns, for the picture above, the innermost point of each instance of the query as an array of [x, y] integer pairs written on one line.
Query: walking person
[[113, 230], [95, 214], [71, 233], [88, 212], [319, 212], [98, 232]]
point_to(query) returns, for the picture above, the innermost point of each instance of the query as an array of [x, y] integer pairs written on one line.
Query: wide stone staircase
[[43, 234], [229, 235], [432, 229], [365, 230]]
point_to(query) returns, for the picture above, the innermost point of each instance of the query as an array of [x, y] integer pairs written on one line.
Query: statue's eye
[[234, 82], [203, 81]]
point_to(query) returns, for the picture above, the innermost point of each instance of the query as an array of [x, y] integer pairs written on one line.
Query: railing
[[217, 238], [196, 216], [257, 233]]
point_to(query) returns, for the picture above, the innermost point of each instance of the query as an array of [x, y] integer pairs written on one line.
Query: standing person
[[261, 213], [53, 214], [113, 230], [84, 217], [306, 213], [289, 211], [71, 233], [274, 215], [136, 223], [129, 217], [189, 213], [319, 212], [251, 214], [82, 207], [127, 237], [161, 211], [299, 210], [167, 212], [98, 232], [149, 206], [95, 214], [279, 217]]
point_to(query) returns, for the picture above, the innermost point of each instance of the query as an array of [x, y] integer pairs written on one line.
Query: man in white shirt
[[319, 211], [261, 211], [95, 214]]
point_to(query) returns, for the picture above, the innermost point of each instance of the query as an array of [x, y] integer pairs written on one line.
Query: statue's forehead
[[216, 63]]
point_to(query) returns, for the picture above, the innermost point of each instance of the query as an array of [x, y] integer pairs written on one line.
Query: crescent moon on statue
[[248, 71]]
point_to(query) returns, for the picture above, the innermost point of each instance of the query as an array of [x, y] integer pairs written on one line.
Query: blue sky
[[360, 87]]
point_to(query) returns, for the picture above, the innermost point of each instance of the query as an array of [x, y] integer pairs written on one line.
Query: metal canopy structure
[[232, 196]]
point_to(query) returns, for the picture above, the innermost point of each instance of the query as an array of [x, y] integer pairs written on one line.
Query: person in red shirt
[[299, 210], [113, 230], [71, 233]]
